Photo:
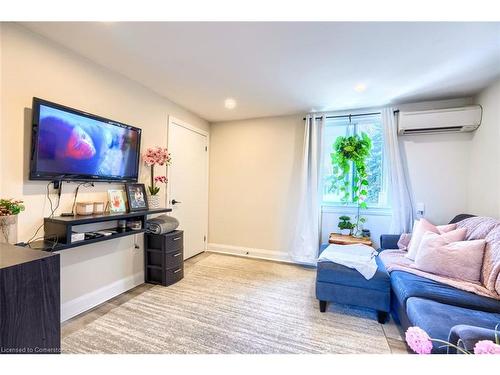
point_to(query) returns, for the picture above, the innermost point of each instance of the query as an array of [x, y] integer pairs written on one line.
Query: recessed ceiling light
[[360, 87], [230, 103]]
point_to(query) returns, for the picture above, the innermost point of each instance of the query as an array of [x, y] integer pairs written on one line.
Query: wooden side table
[[341, 239]]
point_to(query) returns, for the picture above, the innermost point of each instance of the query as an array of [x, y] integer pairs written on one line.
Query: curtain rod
[[347, 116], [350, 115]]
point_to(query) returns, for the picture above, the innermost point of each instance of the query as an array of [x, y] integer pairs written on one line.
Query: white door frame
[[184, 124]]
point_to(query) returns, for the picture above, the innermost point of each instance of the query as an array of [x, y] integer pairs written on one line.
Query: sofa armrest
[[389, 241], [466, 337]]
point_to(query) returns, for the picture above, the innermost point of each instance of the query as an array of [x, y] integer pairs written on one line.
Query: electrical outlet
[[420, 208]]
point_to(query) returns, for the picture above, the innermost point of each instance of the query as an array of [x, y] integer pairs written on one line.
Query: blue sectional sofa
[[444, 312]]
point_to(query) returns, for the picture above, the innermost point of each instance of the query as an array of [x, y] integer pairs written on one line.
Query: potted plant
[[161, 157], [345, 225], [352, 151], [9, 209]]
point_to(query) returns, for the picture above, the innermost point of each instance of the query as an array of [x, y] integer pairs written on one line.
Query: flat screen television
[[72, 145]]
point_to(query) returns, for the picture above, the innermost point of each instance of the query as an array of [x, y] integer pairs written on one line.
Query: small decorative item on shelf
[[345, 225], [134, 224], [122, 224], [366, 233], [99, 207], [161, 157], [154, 201], [84, 208], [116, 201], [9, 209], [136, 196]]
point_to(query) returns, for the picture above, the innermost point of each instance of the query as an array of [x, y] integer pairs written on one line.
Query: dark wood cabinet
[[30, 317], [164, 258]]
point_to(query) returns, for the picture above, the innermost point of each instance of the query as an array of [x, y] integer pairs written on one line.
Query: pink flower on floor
[[418, 340], [486, 347]]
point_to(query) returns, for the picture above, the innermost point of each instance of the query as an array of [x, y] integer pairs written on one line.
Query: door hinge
[[204, 238], [206, 148]]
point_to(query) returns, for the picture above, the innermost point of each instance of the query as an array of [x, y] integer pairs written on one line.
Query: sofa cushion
[[330, 272], [437, 319], [406, 285], [466, 336]]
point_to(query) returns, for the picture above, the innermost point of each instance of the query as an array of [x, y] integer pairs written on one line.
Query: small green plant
[[10, 207], [345, 224]]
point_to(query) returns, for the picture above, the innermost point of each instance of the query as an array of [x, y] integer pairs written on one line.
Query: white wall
[[254, 171], [484, 178], [33, 66], [438, 166]]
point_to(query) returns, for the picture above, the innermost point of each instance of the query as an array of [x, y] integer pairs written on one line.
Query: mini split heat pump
[[450, 120]]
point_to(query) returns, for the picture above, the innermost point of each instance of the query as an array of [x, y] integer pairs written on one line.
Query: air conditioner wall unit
[[450, 120]]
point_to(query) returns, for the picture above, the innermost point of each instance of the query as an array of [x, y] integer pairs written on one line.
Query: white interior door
[[188, 183]]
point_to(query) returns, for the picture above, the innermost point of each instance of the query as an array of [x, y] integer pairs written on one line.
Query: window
[[377, 188]]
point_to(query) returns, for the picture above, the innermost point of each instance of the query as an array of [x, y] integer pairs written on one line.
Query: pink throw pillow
[[446, 228], [457, 259], [419, 228], [435, 240], [404, 241]]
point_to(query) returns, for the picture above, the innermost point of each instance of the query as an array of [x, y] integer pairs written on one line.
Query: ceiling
[[290, 67]]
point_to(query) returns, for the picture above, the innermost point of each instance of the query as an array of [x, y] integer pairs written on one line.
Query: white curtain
[[306, 237], [399, 192]]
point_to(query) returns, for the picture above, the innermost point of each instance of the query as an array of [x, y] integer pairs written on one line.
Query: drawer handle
[[179, 270], [177, 238], [176, 255]]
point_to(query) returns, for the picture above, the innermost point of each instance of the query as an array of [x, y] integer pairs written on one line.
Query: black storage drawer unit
[[165, 242], [164, 258], [174, 259]]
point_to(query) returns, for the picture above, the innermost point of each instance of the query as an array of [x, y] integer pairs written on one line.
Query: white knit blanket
[[360, 257]]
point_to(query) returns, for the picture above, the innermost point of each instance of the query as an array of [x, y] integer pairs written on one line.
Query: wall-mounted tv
[[72, 145]]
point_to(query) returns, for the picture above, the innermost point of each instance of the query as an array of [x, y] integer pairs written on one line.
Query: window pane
[[371, 125]]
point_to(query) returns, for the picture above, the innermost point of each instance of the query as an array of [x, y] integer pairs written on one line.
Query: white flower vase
[[8, 229], [154, 201]]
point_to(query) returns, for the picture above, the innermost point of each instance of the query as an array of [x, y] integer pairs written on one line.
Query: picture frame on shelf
[[136, 197], [117, 201]]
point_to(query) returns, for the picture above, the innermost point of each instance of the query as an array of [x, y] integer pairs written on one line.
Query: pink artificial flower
[[486, 347], [161, 179], [156, 156], [418, 340]]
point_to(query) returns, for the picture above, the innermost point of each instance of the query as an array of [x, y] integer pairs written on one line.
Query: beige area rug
[[227, 304]]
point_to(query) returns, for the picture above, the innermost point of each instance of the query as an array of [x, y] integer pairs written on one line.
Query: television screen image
[[73, 145]]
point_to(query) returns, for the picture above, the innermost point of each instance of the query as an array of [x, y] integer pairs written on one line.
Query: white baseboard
[[249, 252], [87, 301]]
